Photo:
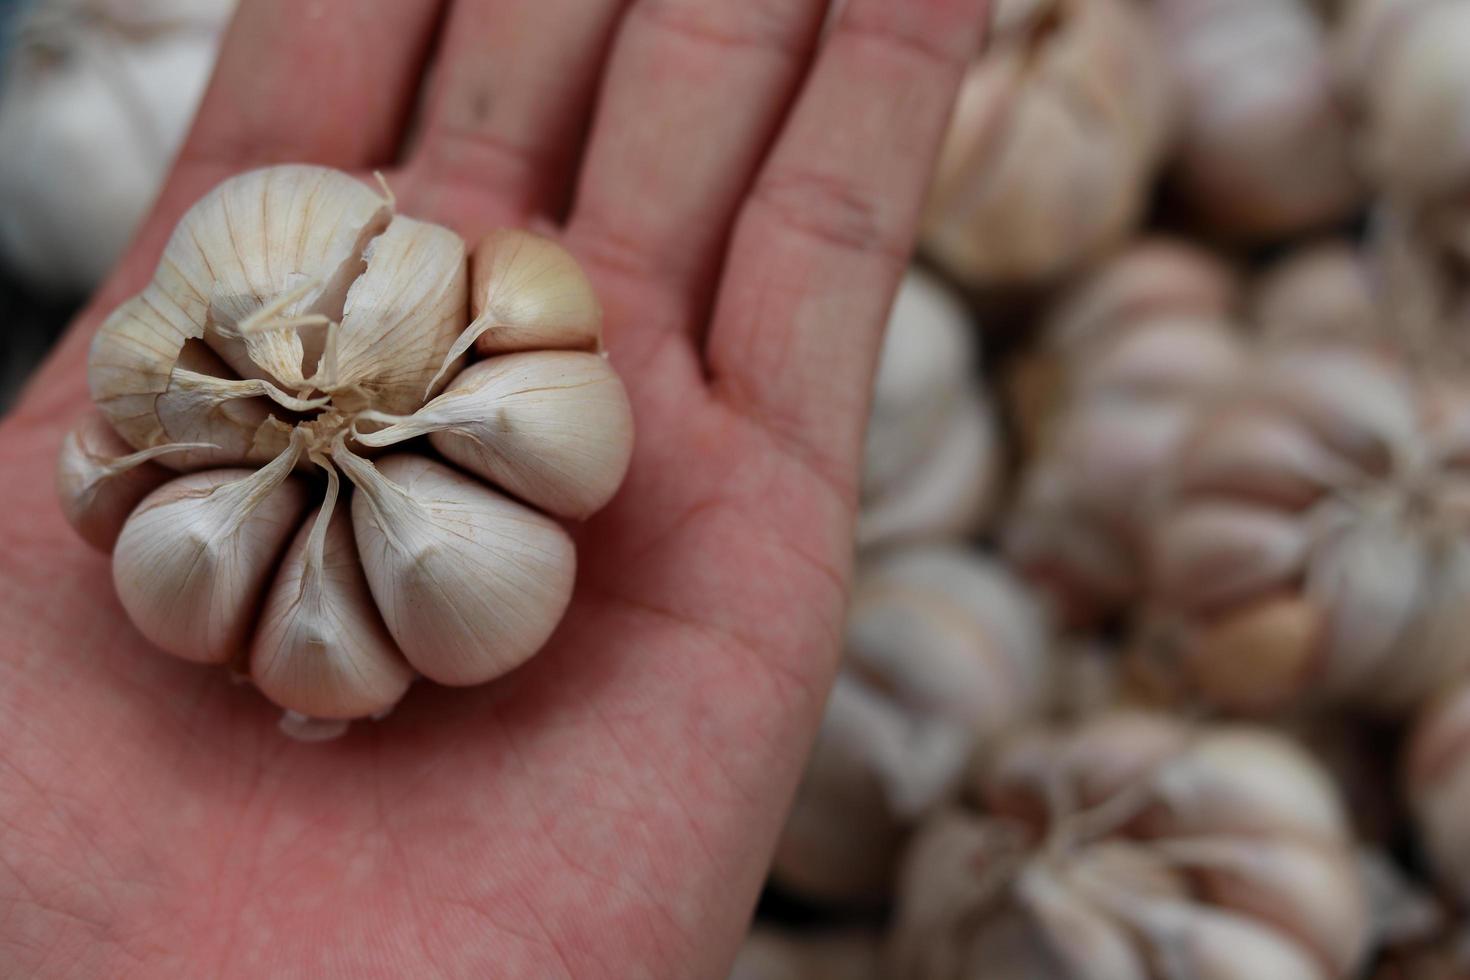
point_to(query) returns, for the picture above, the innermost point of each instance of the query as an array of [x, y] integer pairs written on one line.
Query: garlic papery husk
[[944, 648], [297, 325], [1437, 782], [1324, 292], [1054, 138], [321, 648], [100, 479], [1264, 141], [924, 370], [98, 95], [1133, 845], [769, 954], [470, 583], [1347, 582], [193, 560], [551, 427]]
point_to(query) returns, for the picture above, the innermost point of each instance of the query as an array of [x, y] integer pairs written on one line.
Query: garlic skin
[[1264, 145], [1437, 783], [1058, 127], [768, 954], [1312, 544], [296, 328], [1138, 346], [932, 456], [97, 98], [944, 648], [1132, 846]]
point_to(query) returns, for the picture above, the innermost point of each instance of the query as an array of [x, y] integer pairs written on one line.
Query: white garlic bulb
[[1322, 292], [98, 95], [1314, 543], [943, 648], [1140, 345], [1437, 781], [1133, 847], [1264, 147], [931, 465], [1054, 139], [768, 954], [295, 329]]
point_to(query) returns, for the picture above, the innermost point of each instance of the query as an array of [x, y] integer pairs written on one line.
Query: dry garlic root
[[297, 331], [1264, 144], [771, 955], [932, 456], [1141, 343], [1315, 540], [1437, 780], [1059, 125], [943, 648], [1133, 847]]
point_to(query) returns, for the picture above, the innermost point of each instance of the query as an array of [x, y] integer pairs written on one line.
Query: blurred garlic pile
[[97, 97], [1134, 347], [1136, 847], [298, 331], [932, 466], [943, 650], [1055, 138]]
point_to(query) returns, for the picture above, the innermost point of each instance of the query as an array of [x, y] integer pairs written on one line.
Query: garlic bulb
[[1324, 292], [1314, 542], [1059, 125], [1133, 847], [932, 456], [771, 955], [1437, 781], [295, 329], [1264, 145], [943, 648], [1140, 344], [97, 98]]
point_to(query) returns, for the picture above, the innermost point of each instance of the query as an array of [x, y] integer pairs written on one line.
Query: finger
[[695, 92], [330, 82], [823, 238], [509, 103]]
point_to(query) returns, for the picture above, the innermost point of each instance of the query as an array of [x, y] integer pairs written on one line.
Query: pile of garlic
[[298, 331]]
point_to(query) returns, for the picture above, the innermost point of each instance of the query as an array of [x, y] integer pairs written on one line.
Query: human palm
[[743, 204]]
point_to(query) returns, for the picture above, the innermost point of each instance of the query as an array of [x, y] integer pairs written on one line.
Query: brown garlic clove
[[1258, 658]]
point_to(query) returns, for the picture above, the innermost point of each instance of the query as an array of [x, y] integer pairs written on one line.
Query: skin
[[745, 203]]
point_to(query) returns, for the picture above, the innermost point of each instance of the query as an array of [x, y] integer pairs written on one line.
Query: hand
[[744, 202]]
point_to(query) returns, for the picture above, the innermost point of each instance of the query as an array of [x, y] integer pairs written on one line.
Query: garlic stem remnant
[[1131, 846], [296, 324]]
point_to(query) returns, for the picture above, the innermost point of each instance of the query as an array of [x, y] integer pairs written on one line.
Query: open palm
[[744, 203]]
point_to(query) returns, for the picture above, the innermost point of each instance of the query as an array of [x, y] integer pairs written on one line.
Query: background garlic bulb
[[1132, 846], [771, 955], [1437, 779], [1322, 292], [1315, 543], [1058, 127], [97, 97], [296, 328], [1140, 343], [1264, 148], [943, 648], [932, 457]]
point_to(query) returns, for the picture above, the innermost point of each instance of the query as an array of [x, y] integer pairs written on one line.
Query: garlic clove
[[554, 428], [528, 293], [469, 583], [1165, 355], [1257, 658], [1201, 943], [321, 648], [193, 560], [1359, 405], [1253, 452], [100, 480], [1322, 293], [1212, 554], [263, 249], [1311, 893], [1084, 937], [950, 491], [399, 319]]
